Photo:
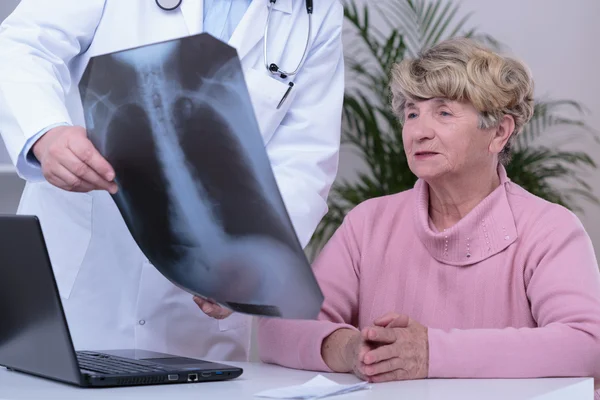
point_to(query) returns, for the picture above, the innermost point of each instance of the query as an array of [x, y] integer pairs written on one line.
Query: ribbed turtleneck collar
[[487, 230]]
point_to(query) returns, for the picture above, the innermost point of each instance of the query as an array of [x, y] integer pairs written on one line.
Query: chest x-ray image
[[196, 189]]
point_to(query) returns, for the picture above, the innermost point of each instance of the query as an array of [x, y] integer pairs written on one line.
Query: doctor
[[112, 295]]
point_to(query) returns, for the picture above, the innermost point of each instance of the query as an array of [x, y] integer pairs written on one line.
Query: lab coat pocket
[[66, 221], [267, 93]]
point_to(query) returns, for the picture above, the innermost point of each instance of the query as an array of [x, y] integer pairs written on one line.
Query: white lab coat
[[113, 297]]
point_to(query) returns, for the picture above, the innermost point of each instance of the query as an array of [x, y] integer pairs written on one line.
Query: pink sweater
[[511, 291]]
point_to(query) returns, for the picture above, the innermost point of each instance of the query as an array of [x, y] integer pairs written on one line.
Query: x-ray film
[[196, 188]]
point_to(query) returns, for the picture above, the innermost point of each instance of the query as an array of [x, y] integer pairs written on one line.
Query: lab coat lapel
[[251, 28], [193, 13]]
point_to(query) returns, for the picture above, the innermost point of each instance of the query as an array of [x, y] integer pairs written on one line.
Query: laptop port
[[205, 374], [192, 377], [173, 377]]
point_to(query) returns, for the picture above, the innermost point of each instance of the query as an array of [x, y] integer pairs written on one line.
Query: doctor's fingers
[[83, 173], [61, 177], [85, 162], [84, 149], [211, 309], [221, 312]]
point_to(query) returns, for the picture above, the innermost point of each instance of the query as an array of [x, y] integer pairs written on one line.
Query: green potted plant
[[372, 131]]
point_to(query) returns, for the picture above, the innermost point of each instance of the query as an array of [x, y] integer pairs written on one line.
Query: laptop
[[35, 337]]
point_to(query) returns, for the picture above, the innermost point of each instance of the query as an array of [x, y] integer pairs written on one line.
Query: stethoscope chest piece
[[168, 5]]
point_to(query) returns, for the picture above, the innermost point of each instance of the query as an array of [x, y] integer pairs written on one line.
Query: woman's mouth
[[424, 154]]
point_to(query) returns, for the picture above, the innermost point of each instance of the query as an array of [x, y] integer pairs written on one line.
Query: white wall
[[559, 42]]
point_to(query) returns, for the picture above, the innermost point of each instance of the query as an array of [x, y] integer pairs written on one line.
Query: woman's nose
[[423, 129]]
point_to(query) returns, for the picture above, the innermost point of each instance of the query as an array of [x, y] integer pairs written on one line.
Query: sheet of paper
[[317, 388], [196, 188]]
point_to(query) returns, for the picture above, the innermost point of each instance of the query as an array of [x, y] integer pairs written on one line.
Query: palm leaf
[[424, 23], [549, 114]]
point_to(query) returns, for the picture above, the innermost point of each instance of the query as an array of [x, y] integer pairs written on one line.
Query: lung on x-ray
[[196, 189]]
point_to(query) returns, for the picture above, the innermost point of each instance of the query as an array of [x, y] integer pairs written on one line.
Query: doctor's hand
[[212, 309], [402, 350], [71, 162]]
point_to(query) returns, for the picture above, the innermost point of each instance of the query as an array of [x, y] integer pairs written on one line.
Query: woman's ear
[[502, 133]]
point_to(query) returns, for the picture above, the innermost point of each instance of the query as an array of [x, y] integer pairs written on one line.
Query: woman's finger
[[384, 366], [379, 335], [401, 321], [380, 354], [397, 375], [384, 320]]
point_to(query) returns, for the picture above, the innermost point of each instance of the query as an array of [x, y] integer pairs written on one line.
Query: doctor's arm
[[38, 40]]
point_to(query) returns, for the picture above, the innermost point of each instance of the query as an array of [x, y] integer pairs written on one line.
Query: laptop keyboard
[[113, 365]]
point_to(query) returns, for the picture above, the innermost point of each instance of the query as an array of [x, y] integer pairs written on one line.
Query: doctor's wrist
[[40, 146]]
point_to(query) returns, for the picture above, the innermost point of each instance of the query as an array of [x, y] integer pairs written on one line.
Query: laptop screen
[[34, 335]]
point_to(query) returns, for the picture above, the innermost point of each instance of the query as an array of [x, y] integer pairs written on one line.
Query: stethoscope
[[273, 68]]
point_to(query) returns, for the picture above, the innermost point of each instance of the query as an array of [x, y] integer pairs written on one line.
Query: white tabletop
[[259, 377]]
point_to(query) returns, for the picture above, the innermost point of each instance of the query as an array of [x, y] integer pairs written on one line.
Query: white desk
[[258, 377]]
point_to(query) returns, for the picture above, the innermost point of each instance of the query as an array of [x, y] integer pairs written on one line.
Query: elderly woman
[[467, 275]]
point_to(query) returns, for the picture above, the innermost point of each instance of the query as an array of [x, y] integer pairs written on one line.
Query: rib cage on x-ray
[[196, 188]]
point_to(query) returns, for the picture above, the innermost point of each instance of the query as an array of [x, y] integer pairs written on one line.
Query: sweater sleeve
[[563, 288], [297, 343]]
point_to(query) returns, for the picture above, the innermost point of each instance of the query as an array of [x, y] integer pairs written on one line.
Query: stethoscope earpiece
[[168, 5]]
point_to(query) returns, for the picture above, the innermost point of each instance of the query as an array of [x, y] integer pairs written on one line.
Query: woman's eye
[[411, 115], [445, 113]]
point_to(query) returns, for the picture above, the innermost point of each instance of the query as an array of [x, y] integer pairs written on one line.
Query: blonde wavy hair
[[461, 69]]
